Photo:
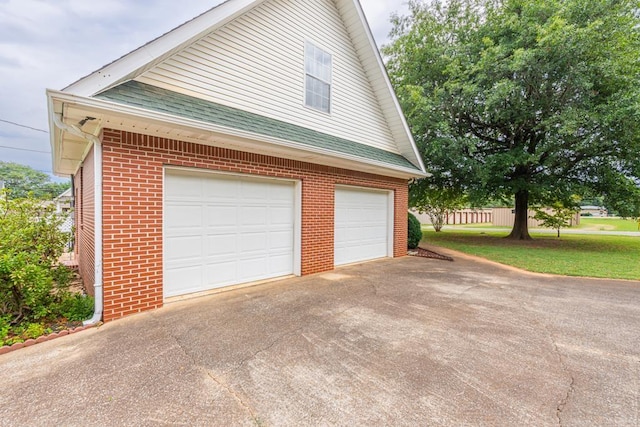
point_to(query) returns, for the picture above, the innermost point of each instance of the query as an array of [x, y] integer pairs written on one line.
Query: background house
[[593, 211]]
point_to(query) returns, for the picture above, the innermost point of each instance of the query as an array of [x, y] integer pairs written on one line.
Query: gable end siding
[[256, 63]]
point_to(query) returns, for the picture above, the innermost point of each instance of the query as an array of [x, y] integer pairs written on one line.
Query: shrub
[[76, 307], [33, 330], [415, 232], [30, 246]]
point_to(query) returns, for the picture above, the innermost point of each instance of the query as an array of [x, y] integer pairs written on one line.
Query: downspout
[[97, 197]]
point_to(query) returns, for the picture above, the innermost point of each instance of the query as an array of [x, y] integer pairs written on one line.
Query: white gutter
[[97, 167]]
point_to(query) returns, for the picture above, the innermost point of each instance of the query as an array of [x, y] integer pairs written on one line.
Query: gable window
[[317, 67]]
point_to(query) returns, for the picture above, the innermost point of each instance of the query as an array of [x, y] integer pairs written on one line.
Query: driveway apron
[[407, 341]]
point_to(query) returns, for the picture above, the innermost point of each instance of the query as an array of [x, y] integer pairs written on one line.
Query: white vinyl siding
[[317, 67], [222, 230], [256, 63]]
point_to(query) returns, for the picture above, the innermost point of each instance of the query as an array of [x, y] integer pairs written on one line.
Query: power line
[[25, 149], [24, 126]]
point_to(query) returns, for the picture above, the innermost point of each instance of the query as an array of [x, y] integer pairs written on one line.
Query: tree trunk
[[520, 229]]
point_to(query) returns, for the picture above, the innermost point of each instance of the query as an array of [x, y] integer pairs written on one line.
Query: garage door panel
[[184, 247], [361, 225], [253, 242], [254, 190], [219, 274], [254, 268], [221, 216], [245, 226], [184, 216], [280, 240], [222, 188], [280, 215], [184, 188], [280, 263], [281, 192], [373, 251], [191, 274], [220, 244], [253, 215]]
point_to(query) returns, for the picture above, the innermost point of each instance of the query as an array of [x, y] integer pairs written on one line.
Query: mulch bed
[[425, 253]]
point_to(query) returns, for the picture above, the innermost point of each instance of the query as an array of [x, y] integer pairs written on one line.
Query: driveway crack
[[572, 381], [256, 420], [268, 346], [237, 397], [562, 404], [565, 400]]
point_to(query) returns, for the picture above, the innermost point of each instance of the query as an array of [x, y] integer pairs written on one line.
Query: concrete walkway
[[411, 341]]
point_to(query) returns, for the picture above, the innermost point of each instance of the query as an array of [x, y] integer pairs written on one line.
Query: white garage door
[[361, 225], [225, 230]]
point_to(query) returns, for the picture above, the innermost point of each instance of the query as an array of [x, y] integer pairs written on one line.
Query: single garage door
[[362, 225], [222, 230]]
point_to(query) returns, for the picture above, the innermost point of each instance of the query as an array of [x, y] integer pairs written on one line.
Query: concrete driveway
[[409, 341]]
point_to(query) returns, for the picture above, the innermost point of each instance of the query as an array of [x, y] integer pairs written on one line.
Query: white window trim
[[304, 70]]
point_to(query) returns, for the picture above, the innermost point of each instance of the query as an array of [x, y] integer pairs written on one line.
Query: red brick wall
[[83, 182], [132, 209]]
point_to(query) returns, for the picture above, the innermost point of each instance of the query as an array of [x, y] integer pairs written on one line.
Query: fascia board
[[55, 136]]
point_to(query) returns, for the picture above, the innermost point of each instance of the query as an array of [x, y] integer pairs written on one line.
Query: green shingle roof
[[165, 101]]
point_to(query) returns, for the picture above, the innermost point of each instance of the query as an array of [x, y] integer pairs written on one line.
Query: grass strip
[[610, 257]]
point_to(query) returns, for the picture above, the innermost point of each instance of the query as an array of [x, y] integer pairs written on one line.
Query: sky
[[51, 44]]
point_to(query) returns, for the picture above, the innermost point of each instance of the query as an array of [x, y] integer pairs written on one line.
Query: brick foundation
[[132, 209]]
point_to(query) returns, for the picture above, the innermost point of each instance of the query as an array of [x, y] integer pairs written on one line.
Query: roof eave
[[108, 107]]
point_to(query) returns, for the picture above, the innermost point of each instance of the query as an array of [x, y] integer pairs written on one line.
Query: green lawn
[[616, 257], [586, 223], [607, 224]]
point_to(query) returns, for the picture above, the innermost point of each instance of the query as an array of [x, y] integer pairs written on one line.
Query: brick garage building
[[226, 153]]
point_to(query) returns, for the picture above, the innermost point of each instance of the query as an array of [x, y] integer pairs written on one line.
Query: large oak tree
[[532, 101]]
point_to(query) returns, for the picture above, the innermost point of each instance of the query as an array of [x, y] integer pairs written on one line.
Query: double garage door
[[223, 230]]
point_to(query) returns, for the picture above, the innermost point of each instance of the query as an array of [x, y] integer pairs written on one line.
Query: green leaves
[[23, 180], [30, 246], [540, 96]]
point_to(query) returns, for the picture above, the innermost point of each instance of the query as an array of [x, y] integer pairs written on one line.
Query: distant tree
[[561, 216], [21, 180], [527, 100], [436, 201]]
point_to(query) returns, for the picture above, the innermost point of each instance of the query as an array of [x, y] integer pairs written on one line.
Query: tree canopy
[[532, 101], [21, 180]]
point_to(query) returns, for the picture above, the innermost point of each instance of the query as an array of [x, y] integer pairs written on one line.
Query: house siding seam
[[133, 166], [84, 215]]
